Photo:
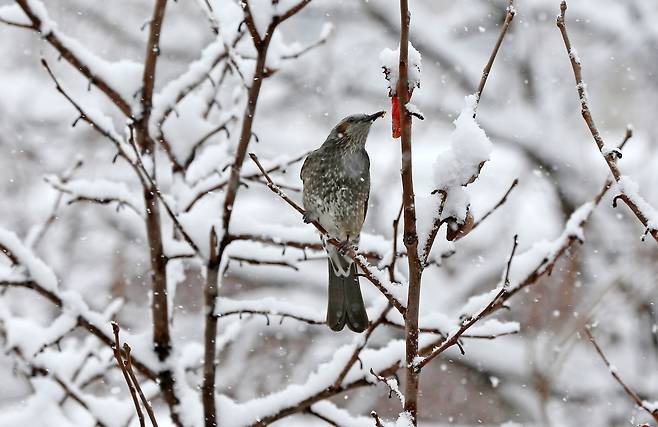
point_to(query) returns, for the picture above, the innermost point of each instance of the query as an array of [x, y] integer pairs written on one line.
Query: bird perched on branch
[[336, 180]]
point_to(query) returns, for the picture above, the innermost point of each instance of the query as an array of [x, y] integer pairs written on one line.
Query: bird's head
[[354, 129]]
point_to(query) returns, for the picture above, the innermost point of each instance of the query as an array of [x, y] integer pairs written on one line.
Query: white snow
[[101, 190], [544, 251], [35, 269], [340, 416], [469, 146], [389, 60], [177, 88], [631, 189], [123, 76], [14, 14]]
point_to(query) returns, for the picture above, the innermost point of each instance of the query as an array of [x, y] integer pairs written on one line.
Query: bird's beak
[[375, 116]]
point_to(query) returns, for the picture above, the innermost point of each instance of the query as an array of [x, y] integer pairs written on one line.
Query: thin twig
[[509, 16], [378, 421], [362, 344], [454, 338], [267, 315], [613, 371], [497, 205], [126, 376], [129, 367], [391, 265]]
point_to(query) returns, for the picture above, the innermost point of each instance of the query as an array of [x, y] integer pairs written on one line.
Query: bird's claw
[[344, 247], [308, 217]]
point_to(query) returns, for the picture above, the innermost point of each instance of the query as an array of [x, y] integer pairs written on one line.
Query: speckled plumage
[[336, 180]]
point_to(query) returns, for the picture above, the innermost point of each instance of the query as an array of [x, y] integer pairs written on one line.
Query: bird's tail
[[345, 301]]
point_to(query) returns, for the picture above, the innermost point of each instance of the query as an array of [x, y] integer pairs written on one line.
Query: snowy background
[[546, 374]]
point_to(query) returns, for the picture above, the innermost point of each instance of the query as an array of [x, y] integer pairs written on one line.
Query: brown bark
[[410, 234]]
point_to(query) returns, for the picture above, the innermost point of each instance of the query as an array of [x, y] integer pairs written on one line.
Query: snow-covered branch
[[117, 80], [628, 189]]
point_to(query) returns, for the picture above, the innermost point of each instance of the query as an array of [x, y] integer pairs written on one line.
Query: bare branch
[[613, 371], [129, 366], [267, 315], [378, 421], [210, 331], [497, 205], [403, 94], [126, 376], [255, 261], [244, 177], [362, 344], [251, 24], [509, 16], [43, 229]]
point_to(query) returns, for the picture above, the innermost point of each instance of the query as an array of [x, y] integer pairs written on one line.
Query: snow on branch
[[165, 102], [23, 257], [219, 179], [118, 80], [454, 168], [389, 62], [334, 415], [41, 279], [473, 311], [644, 212], [99, 191], [13, 15], [295, 51]]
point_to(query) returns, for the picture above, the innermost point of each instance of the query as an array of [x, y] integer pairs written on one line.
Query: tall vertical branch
[[159, 303], [210, 334], [410, 234]]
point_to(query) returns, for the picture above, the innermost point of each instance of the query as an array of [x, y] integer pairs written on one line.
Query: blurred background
[[545, 375]]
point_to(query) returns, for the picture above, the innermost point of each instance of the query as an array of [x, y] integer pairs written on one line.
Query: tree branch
[[454, 338], [116, 348], [55, 41], [496, 206], [613, 371], [610, 156], [509, 16]]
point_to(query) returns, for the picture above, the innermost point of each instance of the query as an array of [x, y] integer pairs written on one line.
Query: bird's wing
[[301, 173], [365, 209]]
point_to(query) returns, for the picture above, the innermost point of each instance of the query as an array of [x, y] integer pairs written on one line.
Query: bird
[[336, 189]]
